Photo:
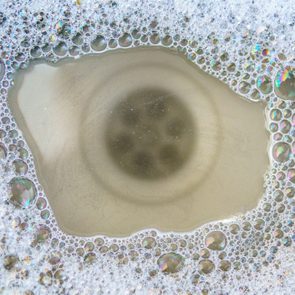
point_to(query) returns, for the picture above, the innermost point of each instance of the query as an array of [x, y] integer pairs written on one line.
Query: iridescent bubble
[[167, 40], [45, 279], [23, 153], [280, 176], [216, 240], [41, 203], [216, 65], [42, 234], [2, 69], [45, 214], [205, 253], [80, 251], [273, 127], [155, 38], [287, 113], [98, 242], [171, 262], [278, 195], [206, 266], [36, 52], [63, 29], [234, 229], [264, 84], [58, 276], [265, 52], [89, 246], [259, 224], [224, 56], [276, 115], [58, 26], [136, 34], [78, 39], [277, 136], [20, 167], [23, 191], [99, 43], [60, 49], [290, 192], [255, 95], [256, 48], [90, 258], [244, 87], [281, 152], [287, 241], [231, 67], [246, 226], [225, 265], [267, 207], [285, 126], [149, 242], [278, 234], [285, 83], [291, 175], [114, 248], [55, 258], [125, 40]]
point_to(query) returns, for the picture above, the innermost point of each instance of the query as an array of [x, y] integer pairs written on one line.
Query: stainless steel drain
[[150, 133]]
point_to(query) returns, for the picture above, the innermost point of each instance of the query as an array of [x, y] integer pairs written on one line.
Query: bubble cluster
[[249, 47]]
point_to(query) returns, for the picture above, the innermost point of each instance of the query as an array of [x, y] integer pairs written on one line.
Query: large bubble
[[23, 191], [285, 83]]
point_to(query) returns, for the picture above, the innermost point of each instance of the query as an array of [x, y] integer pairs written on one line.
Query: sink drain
[[150, 134]]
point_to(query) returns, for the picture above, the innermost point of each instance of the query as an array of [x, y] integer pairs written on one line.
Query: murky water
[[140, 139]]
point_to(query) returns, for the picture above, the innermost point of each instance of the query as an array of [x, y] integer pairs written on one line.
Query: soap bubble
[[285, 83], [206, 266], [23, 191], [42, 234], [99, 43], [149, 242], [216, 240], [171, 262], [264, 84], [20, 167], [281, 152]]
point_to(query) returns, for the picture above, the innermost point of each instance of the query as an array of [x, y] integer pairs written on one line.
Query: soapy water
[[246, 46]]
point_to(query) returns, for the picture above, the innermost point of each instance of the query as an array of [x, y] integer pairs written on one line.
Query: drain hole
[[149, 134]]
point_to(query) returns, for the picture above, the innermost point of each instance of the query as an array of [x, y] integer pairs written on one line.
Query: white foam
[[252, 28]]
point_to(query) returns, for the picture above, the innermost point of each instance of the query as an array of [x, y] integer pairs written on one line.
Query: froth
[[246, 46]]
